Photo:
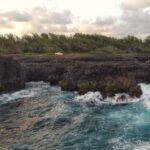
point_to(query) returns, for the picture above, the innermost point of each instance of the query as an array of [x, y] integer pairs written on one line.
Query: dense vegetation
[[78, 43]]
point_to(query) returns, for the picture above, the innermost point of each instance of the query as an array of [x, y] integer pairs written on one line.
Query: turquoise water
[[57, 120]]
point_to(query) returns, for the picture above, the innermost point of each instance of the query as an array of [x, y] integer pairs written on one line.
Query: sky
[[117, 18]]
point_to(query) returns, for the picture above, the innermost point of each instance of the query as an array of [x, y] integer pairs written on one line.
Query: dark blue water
[[56, 120]]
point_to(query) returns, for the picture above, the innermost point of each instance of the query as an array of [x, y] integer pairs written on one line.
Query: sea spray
[[95, 98], [32, 89], [55, 119]]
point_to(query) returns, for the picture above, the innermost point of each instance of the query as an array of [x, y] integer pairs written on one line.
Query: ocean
[[43, 117]]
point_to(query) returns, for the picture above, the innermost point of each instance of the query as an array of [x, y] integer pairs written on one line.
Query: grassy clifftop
[[77, 43]]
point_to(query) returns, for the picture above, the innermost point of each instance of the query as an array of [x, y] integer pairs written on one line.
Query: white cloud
[[105, 21], [135, 4], [109, 17], [16, 16]]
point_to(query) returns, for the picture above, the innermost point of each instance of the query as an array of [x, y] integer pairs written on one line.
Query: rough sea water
[[42, 117]]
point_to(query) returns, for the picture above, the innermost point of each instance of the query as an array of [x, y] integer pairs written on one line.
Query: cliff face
[[12, 76], [93, 68], [82, 73]]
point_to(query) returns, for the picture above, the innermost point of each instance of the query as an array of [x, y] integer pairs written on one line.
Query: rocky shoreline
[[108, 74]]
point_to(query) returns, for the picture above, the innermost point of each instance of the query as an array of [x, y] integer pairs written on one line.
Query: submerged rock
[[121, 98]]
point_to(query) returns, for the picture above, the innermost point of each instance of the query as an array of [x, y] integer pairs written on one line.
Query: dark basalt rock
[[56, 74], [108, 86], [12, 75], [108, 74], [68, 85]]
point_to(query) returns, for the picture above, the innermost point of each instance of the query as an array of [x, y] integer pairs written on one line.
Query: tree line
[[77, 43]]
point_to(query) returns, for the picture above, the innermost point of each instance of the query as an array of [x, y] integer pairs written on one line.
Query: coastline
[[105, 73]]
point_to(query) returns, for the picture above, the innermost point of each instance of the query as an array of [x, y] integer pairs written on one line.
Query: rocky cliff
[[12, 75], [108, 74]]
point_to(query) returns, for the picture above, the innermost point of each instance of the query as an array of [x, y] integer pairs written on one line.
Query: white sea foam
[[142, 146], [146, 95], [97, 99], [119, 99], [93, 97], [32, 89], [126, 145]]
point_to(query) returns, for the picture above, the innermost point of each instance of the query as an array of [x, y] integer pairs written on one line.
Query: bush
[[78, 43], [108, 50]]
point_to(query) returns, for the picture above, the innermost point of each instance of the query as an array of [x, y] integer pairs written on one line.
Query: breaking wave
[[95, 98], [32, 89], [55, 119], [35, 89]]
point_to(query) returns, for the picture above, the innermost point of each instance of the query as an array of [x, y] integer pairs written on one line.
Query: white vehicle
[[59, 54]]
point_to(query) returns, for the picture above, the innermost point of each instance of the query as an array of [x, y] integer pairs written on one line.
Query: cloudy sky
[[117, 18]]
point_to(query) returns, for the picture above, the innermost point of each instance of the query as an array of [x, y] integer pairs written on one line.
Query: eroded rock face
[[90, 73], [12, 76], [81, 73]]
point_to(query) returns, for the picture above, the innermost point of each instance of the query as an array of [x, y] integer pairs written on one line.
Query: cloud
[[105, 21], [40, 14], [135, 4], [50, 21], [128, 17], [39, 19], [5, 24], [134, 19], [61, 18], [20, 16], [16, 16], [50, 17]]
